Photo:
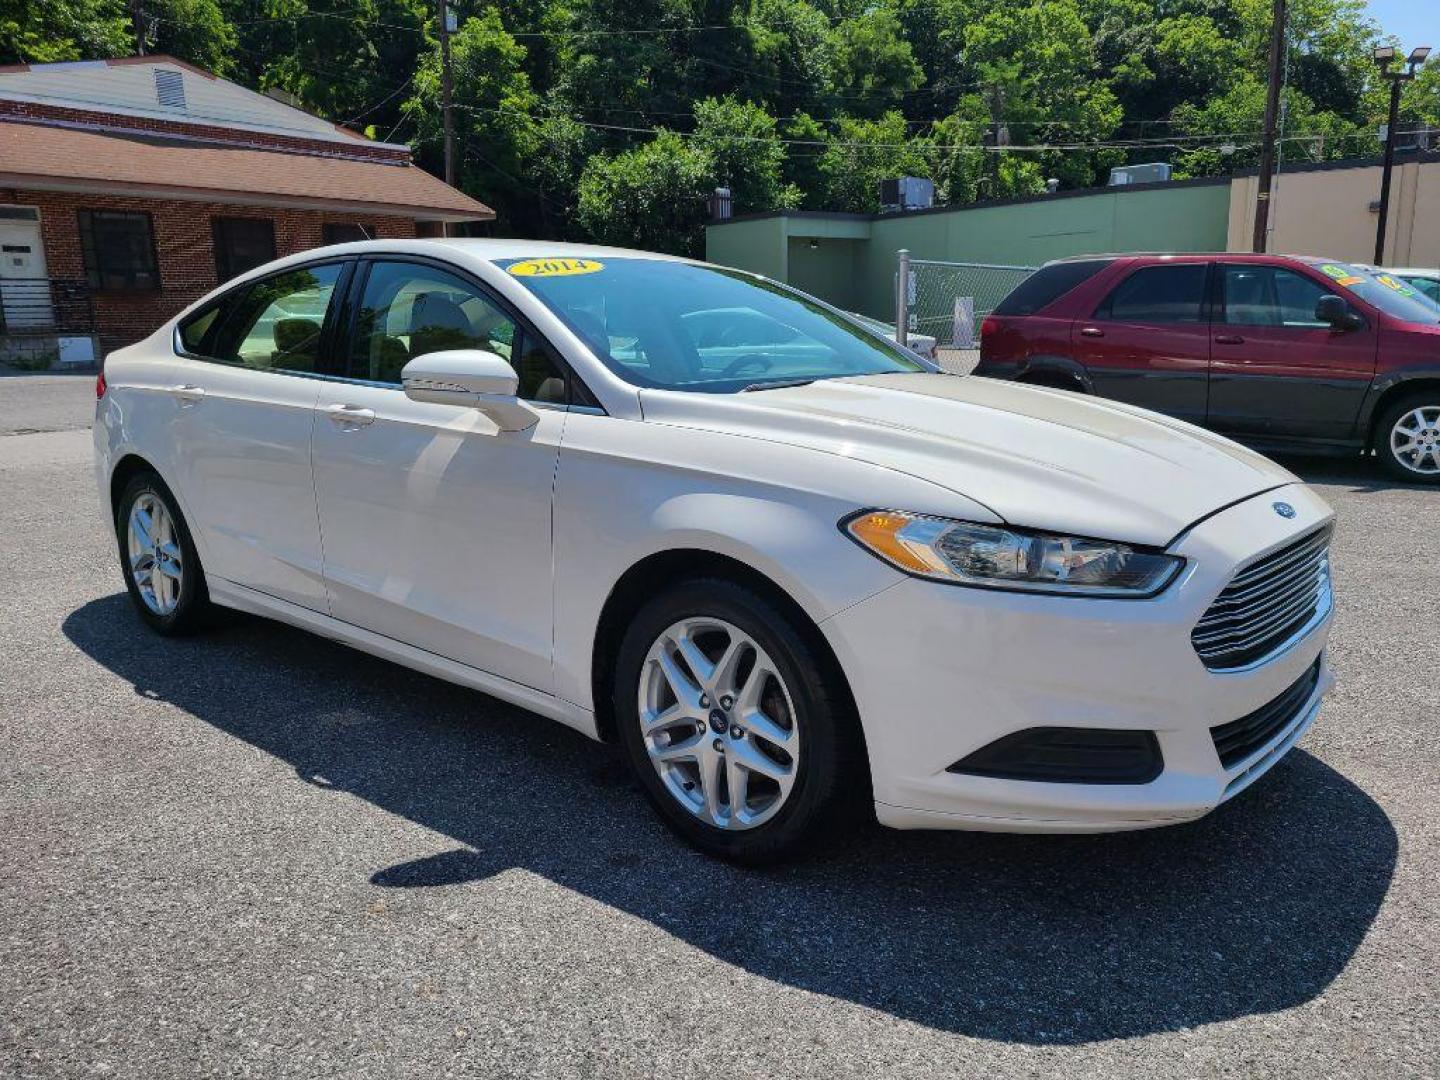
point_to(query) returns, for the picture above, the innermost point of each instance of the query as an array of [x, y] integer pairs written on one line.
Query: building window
[[242, 244], [119, 250], [343, 232]]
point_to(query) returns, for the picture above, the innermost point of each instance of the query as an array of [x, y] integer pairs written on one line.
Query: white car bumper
[[940, 671]]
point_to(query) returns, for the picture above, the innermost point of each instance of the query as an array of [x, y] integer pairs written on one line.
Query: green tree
[[863, 153], [652, 197], [874, 65], [47, 31], [496, 132], [746, 154], [196, 31]]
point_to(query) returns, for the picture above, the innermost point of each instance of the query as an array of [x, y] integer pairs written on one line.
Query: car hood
[[1048, 459]]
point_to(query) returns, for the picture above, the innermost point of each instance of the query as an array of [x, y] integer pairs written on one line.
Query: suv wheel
[[158, 558], [1407, 438], [736, 737]]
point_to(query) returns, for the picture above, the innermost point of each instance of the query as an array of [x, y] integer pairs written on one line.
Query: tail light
[[100, 384], [989, 325]]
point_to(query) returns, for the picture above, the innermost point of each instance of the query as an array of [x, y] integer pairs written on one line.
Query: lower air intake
[[1059, 755]]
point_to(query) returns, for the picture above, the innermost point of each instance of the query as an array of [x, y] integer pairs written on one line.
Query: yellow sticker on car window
[[1395, 283], [1351, 280], [554, 267], [1336, 272]]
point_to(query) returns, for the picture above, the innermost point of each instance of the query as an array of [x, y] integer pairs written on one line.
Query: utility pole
[[1384, 57], [448, 116], [1272, 113], [137, 20]]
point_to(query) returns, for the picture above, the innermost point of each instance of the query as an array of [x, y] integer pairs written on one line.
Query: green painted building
[[849, 259]]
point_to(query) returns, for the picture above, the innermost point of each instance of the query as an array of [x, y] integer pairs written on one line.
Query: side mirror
[[1334, 310], [469, 377]]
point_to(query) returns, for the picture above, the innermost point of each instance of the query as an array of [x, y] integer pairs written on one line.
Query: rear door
[[1275, 369], [245, 405], [1148, 341]]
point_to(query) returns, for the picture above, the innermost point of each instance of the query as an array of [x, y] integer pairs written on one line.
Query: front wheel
[[1407, 438], [158, 558], [738, 738]]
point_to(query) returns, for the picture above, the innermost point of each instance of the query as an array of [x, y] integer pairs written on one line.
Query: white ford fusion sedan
[[787, 566]]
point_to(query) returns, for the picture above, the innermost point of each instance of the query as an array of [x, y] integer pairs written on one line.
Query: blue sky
[[1414, 22]]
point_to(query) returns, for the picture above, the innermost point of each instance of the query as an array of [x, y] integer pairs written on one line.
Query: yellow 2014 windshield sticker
[[554, 267]]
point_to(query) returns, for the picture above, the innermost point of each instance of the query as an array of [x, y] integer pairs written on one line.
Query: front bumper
[[939, 671]]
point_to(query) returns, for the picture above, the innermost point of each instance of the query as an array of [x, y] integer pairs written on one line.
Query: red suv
[[1279, 352]]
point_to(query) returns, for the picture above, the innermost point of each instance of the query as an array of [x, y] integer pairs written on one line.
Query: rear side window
[[196, 329], [1048, 284], [276, 322], [1158, 294]]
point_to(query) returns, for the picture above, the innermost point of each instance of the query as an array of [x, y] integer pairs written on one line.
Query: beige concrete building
[[1332, 209]]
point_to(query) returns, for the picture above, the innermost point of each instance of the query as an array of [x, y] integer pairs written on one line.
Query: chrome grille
[[1266, 604]]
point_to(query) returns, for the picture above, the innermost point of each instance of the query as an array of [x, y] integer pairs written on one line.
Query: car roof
[[512, 248], [1236, 256]]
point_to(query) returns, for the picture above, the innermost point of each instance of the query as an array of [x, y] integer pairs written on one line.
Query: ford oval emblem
[[1285, 510]]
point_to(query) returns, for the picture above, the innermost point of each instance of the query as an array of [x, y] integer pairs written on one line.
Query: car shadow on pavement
[[1040, 940]]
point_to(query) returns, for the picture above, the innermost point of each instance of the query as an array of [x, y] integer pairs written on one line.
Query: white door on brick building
[[24, 287]]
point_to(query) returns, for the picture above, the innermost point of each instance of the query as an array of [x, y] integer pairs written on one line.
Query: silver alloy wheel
[[718, 723], [1415, 440], [154, 551]]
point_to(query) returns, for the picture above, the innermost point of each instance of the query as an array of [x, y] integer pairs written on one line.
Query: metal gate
[[948, 300]]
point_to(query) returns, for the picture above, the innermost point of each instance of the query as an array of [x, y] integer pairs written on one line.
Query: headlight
[[1000, 557]]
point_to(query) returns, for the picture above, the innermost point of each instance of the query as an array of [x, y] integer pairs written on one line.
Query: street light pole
[[1384, 57]]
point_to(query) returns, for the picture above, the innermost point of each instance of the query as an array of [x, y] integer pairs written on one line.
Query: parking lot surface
[[257, 853]]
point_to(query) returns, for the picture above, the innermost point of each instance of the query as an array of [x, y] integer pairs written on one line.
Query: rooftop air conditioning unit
[[1152, 173], [907, 193]]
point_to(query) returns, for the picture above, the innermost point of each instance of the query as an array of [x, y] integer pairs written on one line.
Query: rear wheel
[[158, 558], [734, 733], [1407, 438]]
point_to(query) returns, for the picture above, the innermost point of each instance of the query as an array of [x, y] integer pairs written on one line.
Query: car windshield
[[680, 326], [1390, 294]]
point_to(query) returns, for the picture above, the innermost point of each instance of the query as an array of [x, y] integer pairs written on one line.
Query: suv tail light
[[100, 384], [988, 326]]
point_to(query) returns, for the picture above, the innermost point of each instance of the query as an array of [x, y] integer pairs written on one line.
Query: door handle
[[1229, 339], [187, 393], [350, 415], [1092, 331]]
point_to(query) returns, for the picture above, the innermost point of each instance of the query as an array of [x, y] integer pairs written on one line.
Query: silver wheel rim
[[154, 552], [1415, 440], [718, 723]]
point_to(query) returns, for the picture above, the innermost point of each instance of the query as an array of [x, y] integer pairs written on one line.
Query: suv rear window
[[1048, 284]]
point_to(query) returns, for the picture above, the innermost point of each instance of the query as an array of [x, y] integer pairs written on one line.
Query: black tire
[[1385, 424], [830, 785], [193, 608]]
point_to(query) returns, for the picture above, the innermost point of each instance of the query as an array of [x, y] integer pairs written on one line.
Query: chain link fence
[[948, 300]]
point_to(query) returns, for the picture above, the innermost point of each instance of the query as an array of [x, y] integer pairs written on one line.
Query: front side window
[[242, 244], [1159, 294], [1270, 296], [410, 309], [276, 323], [680, 326], [1391, 294], [118, 249]]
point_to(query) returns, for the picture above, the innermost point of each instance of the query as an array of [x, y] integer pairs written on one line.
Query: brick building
[[130, 187]]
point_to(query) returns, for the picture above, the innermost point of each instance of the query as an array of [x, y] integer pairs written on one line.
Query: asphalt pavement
[[257, 853]]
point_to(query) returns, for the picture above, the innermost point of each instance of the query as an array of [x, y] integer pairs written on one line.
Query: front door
[[436, 524], [244, 408], [1148, 342], [1275, 369], [24, 286]]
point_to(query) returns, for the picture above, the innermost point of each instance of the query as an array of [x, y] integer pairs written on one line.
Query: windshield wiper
[[776, 384]]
